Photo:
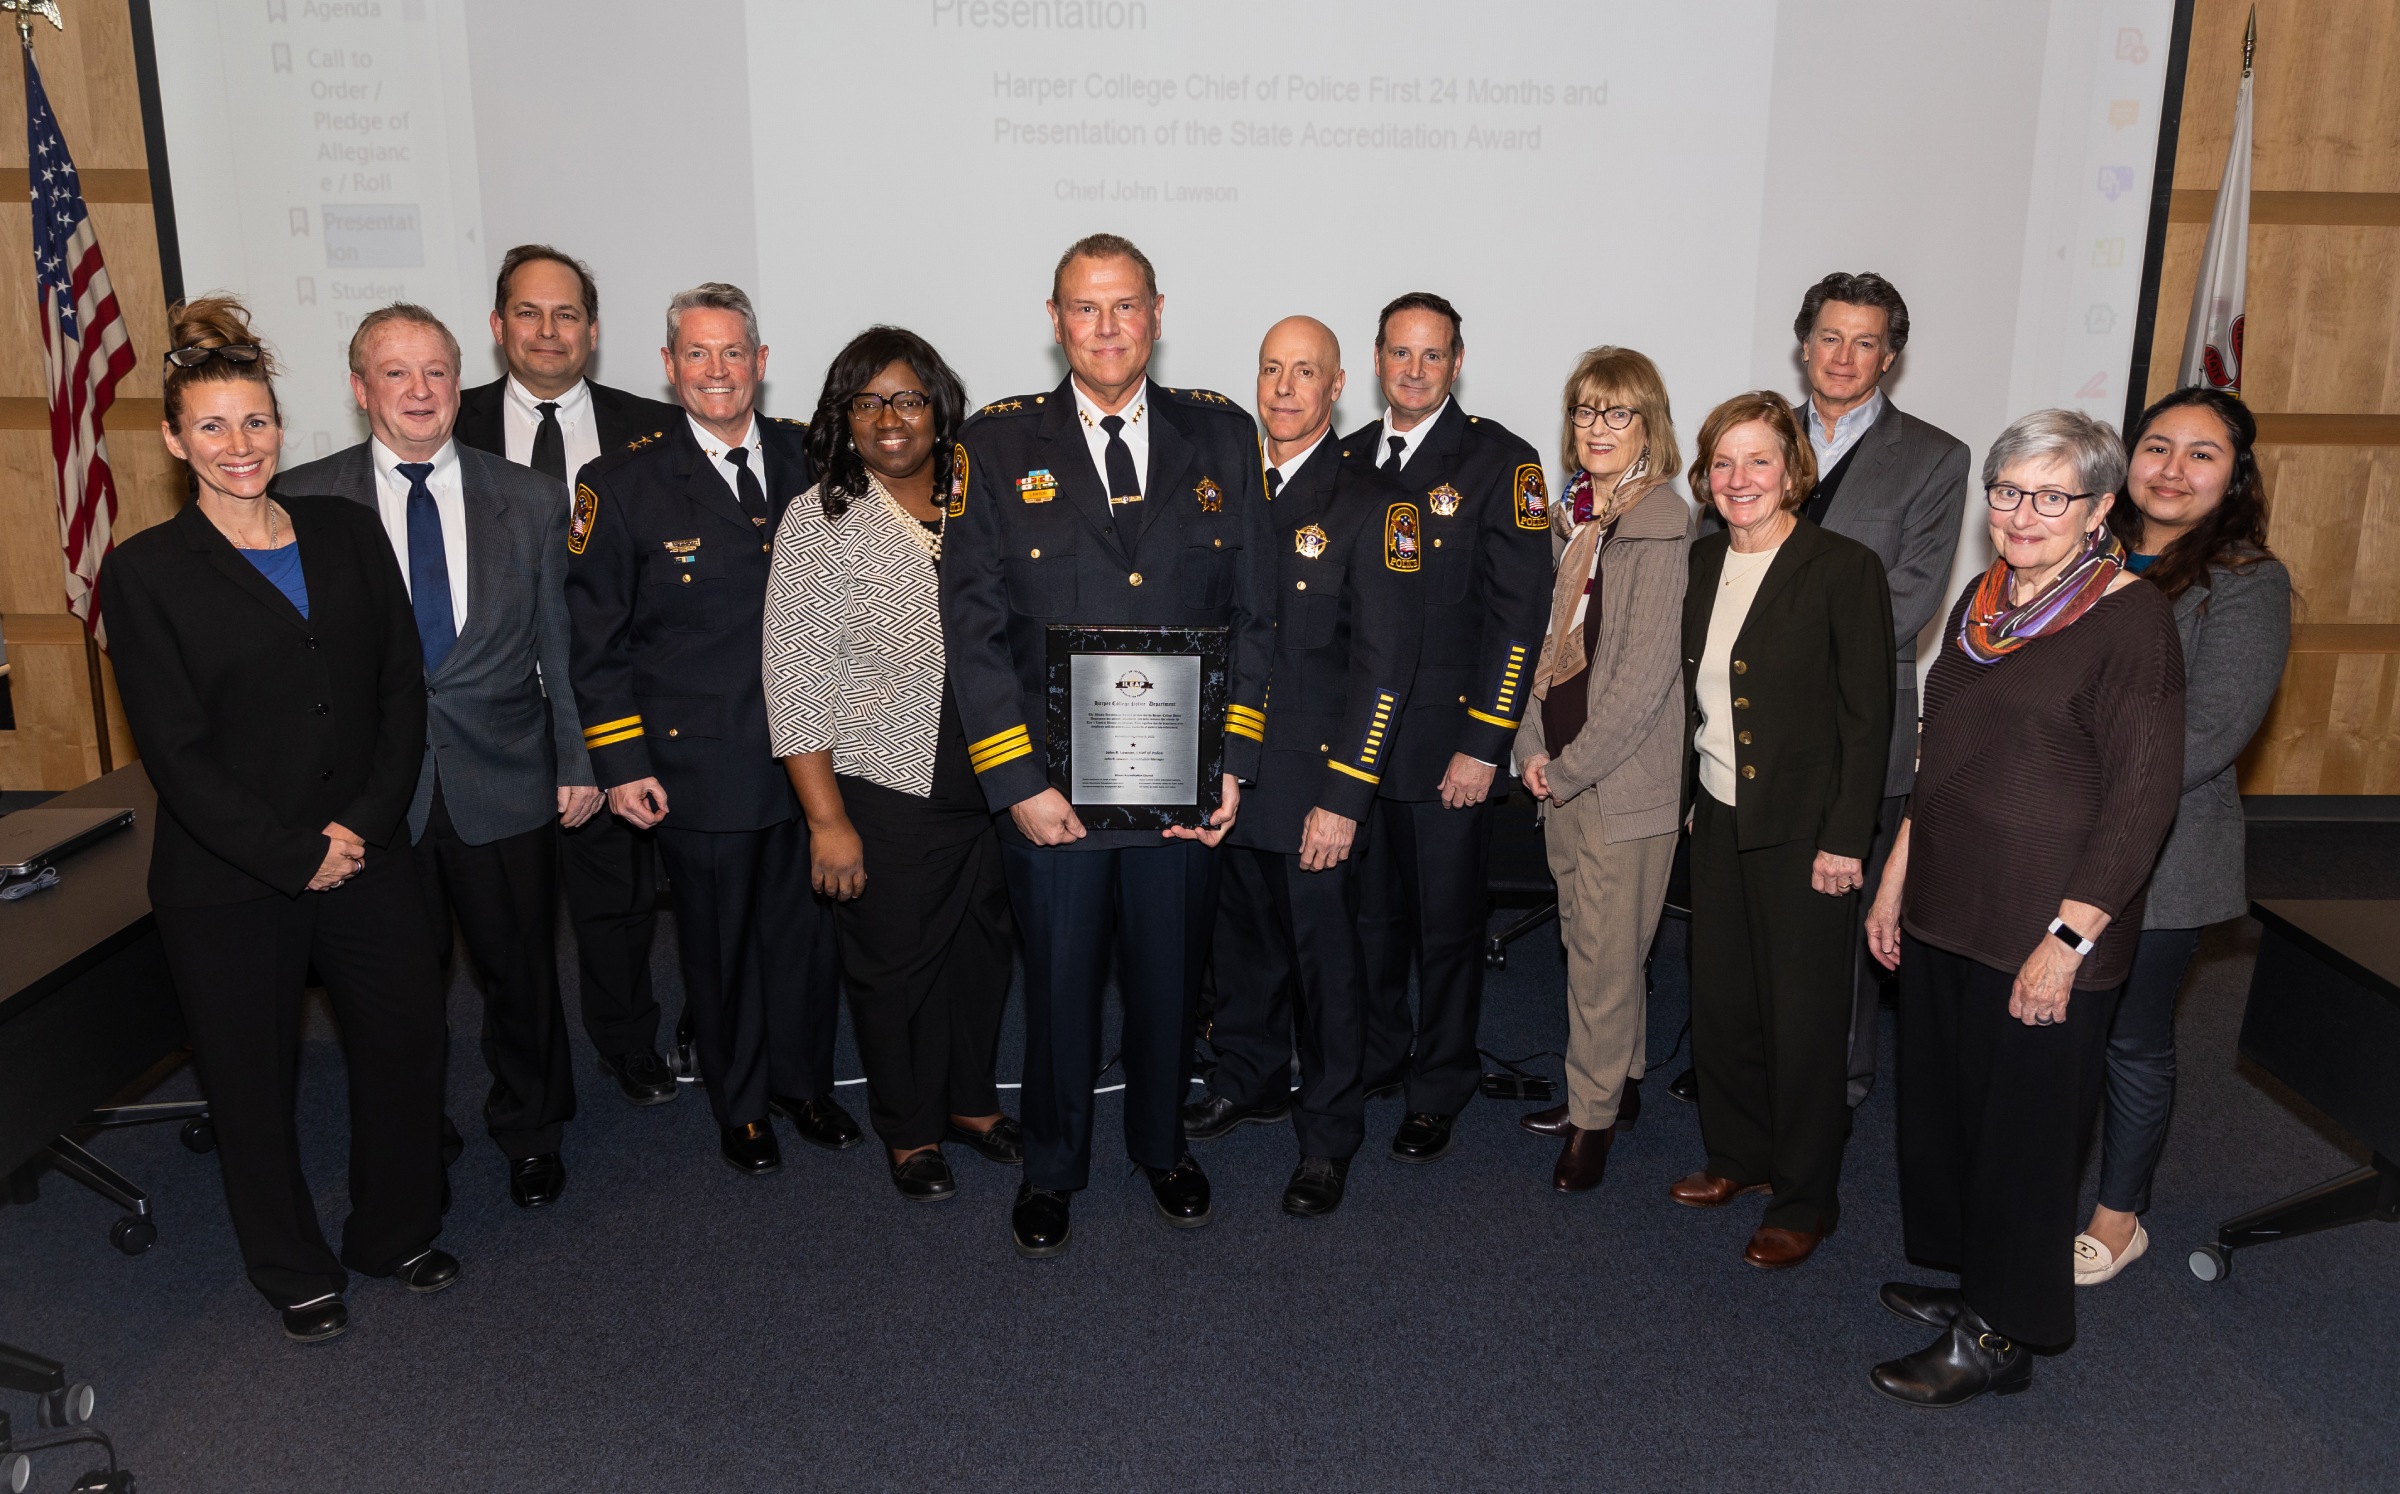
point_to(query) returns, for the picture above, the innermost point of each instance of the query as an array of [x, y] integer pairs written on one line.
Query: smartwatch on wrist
[[2069, 937]]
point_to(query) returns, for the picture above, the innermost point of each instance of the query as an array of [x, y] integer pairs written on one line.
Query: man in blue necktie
[[482, 544]]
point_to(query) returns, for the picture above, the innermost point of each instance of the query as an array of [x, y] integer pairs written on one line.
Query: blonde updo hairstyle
[[214, 322]]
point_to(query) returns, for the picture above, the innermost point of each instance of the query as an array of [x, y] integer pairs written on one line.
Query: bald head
[[1299, 378]]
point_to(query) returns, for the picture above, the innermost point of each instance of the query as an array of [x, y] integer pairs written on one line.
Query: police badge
[[1444, 500], [1309, 540], [1212, 497]]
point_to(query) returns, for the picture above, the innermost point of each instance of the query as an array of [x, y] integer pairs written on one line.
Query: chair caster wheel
[[1495, 956], [133, 1234], [199, 1135], [2211, 1262]]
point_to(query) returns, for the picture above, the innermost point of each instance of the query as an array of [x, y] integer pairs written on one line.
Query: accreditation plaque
[[1136, 723]]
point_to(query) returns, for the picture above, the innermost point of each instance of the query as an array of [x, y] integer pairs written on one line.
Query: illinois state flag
[[2212, 348]]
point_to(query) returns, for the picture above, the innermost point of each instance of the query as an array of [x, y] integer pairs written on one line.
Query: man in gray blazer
[[482, 545], [1897, 486]]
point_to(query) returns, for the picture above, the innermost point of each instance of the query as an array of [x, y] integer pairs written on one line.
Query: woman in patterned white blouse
[[858, 699]]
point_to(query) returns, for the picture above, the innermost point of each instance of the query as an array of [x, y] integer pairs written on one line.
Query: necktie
[[550, 443], [1274, 483], [428, 569], [1391, 463], [1124, 487], [745, 481]]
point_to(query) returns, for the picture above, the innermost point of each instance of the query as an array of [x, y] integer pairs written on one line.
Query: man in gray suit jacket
[[482, 544], [1897, 486]]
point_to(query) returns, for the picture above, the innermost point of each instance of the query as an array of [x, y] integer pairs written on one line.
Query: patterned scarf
[[1583, 516], [1992, 629]]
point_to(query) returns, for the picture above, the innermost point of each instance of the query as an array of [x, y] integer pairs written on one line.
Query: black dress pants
[[1995, 1119], [927, 950], [239, 970], [1771, 994], [1151, 906], [2141, 1069], [1288, 963], [1425, 897], [503, 897], [609, 872], [761, 965]]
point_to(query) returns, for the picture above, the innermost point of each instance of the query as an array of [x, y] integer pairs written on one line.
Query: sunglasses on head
[[239, 352]]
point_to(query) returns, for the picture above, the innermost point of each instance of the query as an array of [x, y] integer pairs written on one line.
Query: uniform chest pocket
[[1208, 570], [682, 589], [1040, 572], [1310, 607], [1449, 565]]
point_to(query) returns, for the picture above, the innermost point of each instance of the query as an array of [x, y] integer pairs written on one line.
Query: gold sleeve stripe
[[627, 735], [1009, 744], [1494, 720], [1003, 755], [1245, 713], [1246, 729], [996, 740], [606, 727], [1353, 772]]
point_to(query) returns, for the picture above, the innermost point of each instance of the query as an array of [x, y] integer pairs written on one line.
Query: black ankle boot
[[1957, 1367]]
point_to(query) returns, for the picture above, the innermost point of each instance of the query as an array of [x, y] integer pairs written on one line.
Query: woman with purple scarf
[[2047, 778]]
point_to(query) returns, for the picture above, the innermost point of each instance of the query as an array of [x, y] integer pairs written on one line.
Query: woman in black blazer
[[269, 664], [1787, 656]]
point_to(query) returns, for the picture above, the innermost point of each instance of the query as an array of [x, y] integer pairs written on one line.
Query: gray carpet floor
[[671, 1326]]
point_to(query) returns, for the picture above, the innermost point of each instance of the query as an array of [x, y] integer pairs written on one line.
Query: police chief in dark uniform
[[669, 550], [1108, 501], [1348, 547], [1486, 539]]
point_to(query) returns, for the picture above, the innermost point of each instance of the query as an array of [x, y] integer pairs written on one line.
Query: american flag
[[84, 349]]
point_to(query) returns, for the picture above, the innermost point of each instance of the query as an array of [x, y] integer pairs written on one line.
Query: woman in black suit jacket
[[269, 664], [1787, 656]]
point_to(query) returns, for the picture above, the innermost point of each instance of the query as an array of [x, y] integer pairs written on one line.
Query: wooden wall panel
[[89, 75], [2322, 341]]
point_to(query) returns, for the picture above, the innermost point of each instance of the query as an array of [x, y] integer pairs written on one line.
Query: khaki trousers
[[1609, 897]]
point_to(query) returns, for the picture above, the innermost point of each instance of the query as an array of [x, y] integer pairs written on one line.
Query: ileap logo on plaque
[[1133, 684]]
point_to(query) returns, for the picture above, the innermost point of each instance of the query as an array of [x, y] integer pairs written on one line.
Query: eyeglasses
[[2048, 502], [908, 404], [1617, 416], [237, 352]]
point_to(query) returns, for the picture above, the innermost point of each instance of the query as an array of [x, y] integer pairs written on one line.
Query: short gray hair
[[715, 295], [2090, 446]]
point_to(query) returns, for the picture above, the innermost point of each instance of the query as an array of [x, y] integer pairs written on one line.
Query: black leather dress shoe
[[1206, 1120], [1004, 1143], [643, 1078], [1316, 1186], [1422, 1137], [1038, 1224], [315, 1322], [536, 1181], [822, 1121], [1935, 1307], [923, 1177], [1967, 1360], [428, 1271], [752, 1148], [1181, 1193], [1686, 1087]]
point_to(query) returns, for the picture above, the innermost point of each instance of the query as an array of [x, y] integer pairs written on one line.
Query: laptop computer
[[42, 836]]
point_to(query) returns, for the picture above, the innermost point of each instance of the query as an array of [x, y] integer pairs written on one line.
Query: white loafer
[[2093, 1263]]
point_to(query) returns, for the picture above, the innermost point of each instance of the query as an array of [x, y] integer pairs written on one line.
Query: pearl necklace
[[929, 541]]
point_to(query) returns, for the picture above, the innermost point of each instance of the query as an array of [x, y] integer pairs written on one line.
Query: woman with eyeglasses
[[859, 702], [2193, 516], [2051, 762], [1603, 751], [271, 674]]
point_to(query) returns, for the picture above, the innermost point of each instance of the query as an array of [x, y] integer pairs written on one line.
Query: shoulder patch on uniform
[[579, 523], [1532, 498], [1015, 404], [1400, 545], [958, 480]]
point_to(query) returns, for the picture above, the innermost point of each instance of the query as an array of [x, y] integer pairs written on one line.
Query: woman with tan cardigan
[[1604, 753]]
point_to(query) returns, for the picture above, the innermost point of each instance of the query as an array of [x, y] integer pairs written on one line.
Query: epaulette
[[798, 425], [609, 461], [1015, 404], [1207, 399], [638, 442]]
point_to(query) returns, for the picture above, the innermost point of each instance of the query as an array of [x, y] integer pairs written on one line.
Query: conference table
[[88, 1012], [2324, 1017]]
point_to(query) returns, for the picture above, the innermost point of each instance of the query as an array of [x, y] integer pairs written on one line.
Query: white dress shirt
[[449, 500], [1136, 433], [1737, 588], [520, 421], [1410, 439], [1290, 467], [1851, 429], [716, 450]]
